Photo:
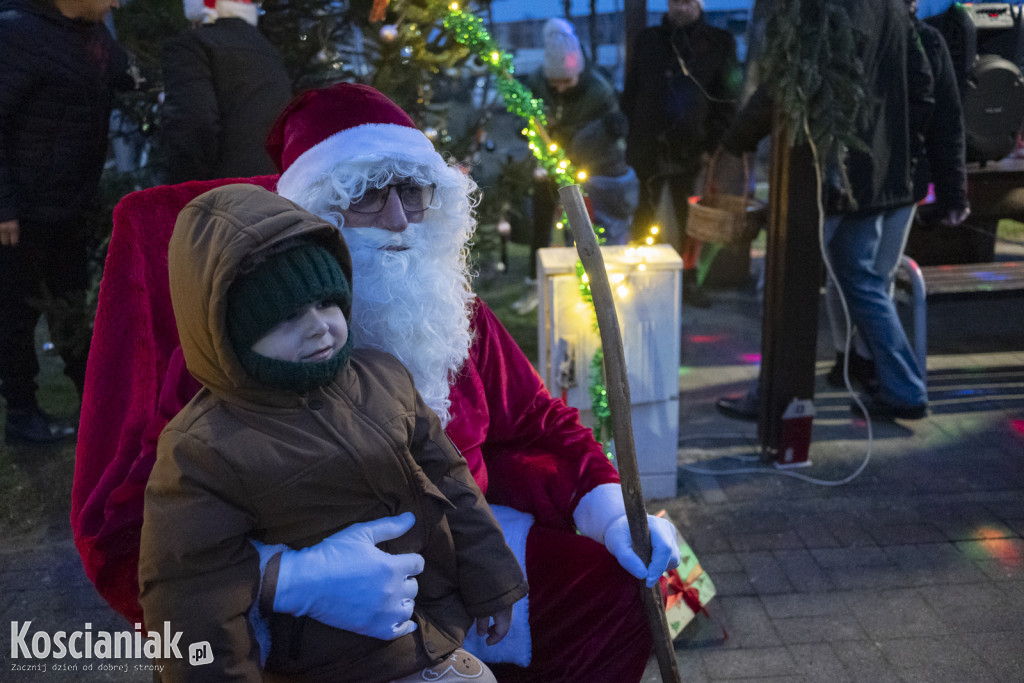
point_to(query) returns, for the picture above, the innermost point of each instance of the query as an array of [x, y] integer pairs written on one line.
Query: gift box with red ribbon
[[686, 589]]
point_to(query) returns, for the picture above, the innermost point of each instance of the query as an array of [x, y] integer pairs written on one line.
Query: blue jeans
[[864, 251]]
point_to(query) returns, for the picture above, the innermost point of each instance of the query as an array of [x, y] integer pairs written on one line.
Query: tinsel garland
[[467, 29], [598, 389]]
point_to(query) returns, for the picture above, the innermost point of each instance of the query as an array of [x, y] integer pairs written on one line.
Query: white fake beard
[[413, 303]]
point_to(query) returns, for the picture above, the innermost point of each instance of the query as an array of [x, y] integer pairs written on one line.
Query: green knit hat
[[275, 288]]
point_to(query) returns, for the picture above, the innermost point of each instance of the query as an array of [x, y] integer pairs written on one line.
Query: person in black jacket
[[865, 225], [680, 95], [59, 67], [224, 85], [574, 94], [943, 161], [940, 157], [865, 236]]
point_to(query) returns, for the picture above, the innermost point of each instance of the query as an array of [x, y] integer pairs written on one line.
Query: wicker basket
[[726, 218]]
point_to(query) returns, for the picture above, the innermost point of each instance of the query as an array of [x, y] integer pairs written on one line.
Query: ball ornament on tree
[[389, 33]]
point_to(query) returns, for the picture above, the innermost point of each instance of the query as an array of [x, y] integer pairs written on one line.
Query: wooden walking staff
[[622, 423]]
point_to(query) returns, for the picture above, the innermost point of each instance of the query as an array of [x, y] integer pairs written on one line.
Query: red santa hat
[[342, 122], [209, 11]]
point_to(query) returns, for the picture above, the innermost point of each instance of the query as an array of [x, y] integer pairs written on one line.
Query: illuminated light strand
[[468, 30]]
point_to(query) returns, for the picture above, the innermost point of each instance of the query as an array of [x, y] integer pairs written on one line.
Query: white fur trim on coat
[[517, 647]]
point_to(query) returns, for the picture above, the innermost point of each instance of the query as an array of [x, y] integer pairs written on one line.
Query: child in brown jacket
[[296, 437]]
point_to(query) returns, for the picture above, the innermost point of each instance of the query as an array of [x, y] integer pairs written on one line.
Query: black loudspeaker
[[993, 107], [985, 42], [998, 26]]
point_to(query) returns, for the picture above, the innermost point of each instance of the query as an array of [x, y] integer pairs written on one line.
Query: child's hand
[[497, 631]]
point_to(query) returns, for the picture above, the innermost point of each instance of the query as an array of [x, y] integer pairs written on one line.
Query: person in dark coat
[[943, 161], [574, 94], [940, 158], [865, 237], [865, 225], [59, 67], [680, 95], [224, 85]]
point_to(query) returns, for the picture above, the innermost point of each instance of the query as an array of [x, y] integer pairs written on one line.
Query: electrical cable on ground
[[984, 233], [846, 366]]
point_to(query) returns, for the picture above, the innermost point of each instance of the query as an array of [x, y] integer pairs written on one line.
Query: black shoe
[[882, 410], [693, 294], [741, 406], [862, 372], [35, 426]]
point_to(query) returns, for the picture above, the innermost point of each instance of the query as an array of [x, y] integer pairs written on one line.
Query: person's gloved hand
[[345, 581], [601, 515], [930, 216], [664, 548], [955, 216]]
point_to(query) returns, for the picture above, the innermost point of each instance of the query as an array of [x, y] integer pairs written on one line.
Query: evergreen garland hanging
[[812, 60]]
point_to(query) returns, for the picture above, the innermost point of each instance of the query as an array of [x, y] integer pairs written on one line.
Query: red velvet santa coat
[[524, 449]]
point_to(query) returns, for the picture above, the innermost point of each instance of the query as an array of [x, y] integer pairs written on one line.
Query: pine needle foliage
[[812, 60]]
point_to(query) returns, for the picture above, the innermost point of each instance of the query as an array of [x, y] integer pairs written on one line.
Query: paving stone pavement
[[914, 570], [911, 572]]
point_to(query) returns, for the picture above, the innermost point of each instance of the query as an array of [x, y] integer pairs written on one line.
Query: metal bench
[[916, 285]]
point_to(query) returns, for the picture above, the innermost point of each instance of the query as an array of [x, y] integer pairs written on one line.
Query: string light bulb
[[468, 30]]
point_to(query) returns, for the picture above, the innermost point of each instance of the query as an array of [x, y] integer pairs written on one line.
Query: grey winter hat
[[563, 57]]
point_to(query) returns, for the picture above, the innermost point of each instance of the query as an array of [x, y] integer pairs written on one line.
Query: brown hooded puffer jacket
[[241, 461]]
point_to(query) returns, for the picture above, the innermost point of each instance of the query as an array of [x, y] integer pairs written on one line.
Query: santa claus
[[352, 156]]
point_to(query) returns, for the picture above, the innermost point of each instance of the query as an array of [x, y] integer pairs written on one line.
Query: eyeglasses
[[414, 198]]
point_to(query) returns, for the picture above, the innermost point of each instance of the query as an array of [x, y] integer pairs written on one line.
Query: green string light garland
[[468, 30]]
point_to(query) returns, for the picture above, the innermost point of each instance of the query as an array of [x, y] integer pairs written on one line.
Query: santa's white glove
[[601, 515], [345, 581]]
